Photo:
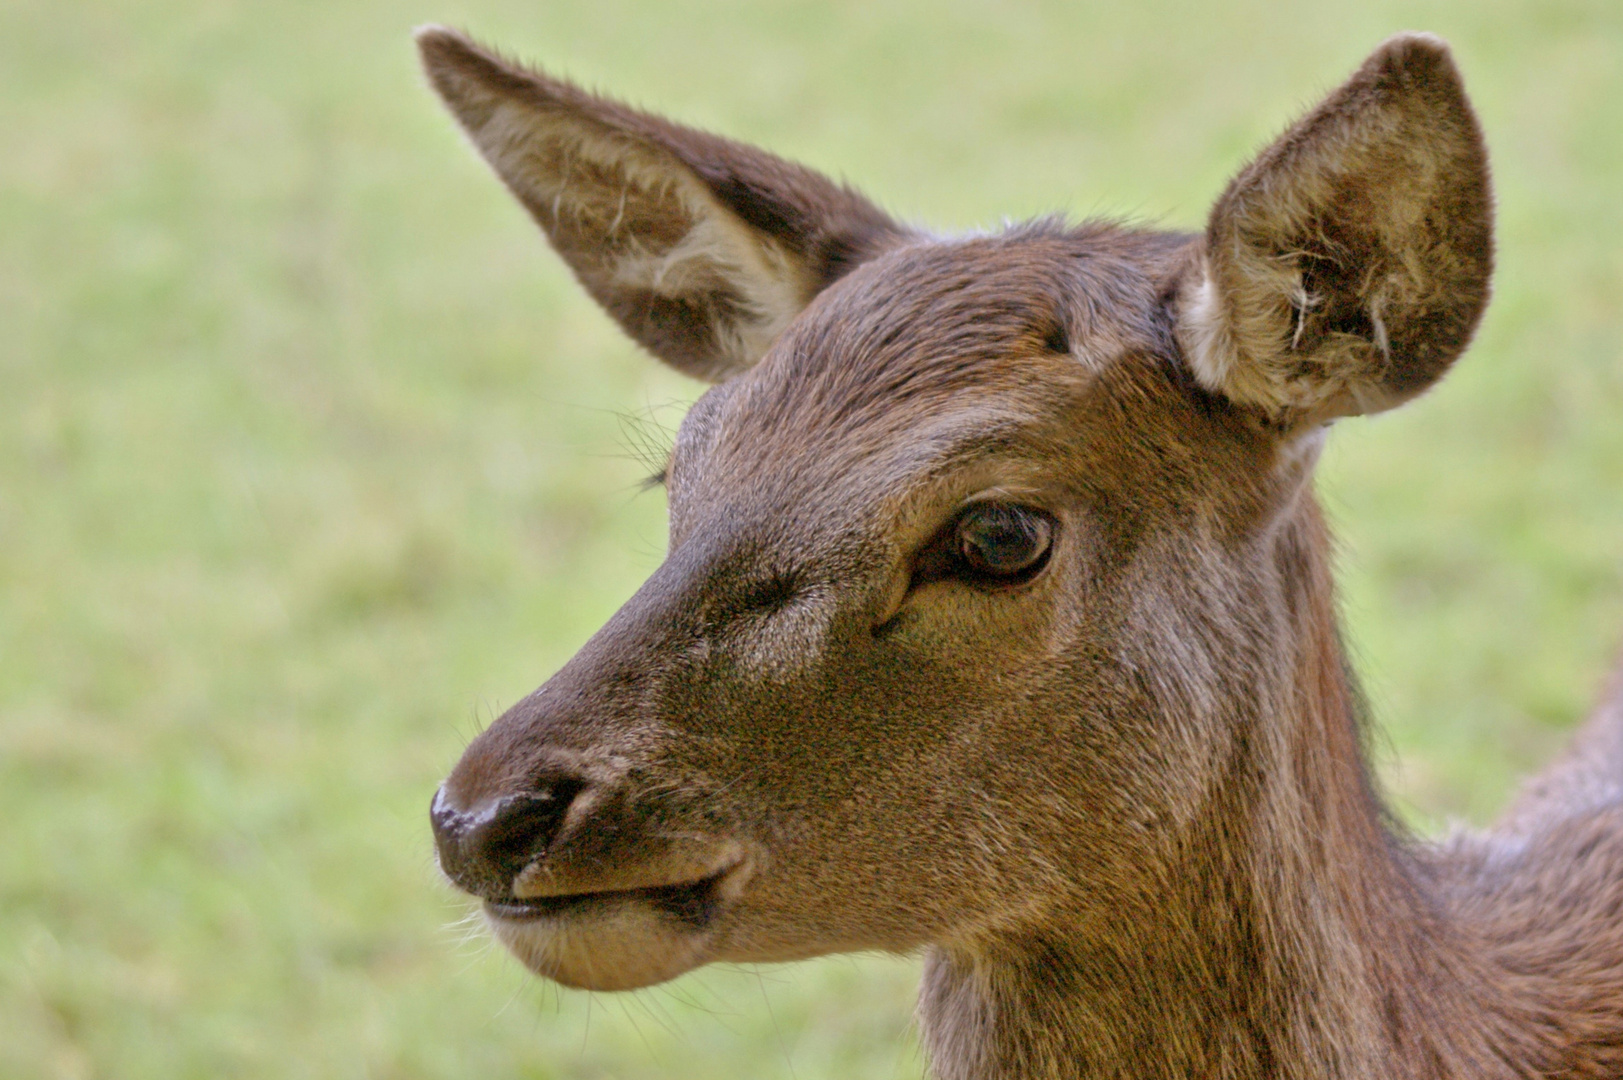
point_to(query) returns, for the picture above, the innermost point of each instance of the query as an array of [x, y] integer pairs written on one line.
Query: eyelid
[[1028, 498]]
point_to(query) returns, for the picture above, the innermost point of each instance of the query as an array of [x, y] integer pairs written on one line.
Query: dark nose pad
[[483, 848]]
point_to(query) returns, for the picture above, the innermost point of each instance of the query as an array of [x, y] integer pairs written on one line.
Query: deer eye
[[1003, 541]]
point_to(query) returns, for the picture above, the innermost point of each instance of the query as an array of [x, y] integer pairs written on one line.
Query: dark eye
[[1002, 541]]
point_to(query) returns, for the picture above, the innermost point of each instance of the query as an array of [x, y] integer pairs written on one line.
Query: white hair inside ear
[[1347, 266]]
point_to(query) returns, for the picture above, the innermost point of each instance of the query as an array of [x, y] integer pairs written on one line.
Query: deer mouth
[[693, 904], [620, 939]]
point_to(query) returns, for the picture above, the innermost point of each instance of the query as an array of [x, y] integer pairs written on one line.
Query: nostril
[[524, 826], [483, 848]]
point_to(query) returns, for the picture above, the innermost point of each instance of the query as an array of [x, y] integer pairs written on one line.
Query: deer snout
[[483, 847]]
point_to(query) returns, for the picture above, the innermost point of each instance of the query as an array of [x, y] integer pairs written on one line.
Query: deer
[[998, 623]]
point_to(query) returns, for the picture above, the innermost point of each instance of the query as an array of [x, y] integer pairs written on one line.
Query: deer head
[[995, 587]]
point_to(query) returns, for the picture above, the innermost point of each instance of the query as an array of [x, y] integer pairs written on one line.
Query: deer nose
[[482, 848]]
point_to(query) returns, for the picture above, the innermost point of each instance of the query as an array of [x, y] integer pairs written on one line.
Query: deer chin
[[618, 939]]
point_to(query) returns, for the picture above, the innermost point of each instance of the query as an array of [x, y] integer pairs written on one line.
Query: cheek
[[898, 855], [982, 639]]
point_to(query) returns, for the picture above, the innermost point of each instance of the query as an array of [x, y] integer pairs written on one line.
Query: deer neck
[[1288, 933]]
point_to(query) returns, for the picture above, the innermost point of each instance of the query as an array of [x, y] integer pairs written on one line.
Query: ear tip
[[445, 53], [454, 61], [1416, 53], [1419, 41], [431, 31], [437, 42]]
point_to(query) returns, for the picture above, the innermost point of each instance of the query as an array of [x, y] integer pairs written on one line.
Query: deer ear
[[1348, 265], [702, 249]]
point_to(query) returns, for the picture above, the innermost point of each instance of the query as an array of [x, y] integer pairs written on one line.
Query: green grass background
[[312, 459]]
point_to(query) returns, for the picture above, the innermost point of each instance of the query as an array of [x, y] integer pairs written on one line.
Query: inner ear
[[689, 279], [703, 249], [1348, 266]]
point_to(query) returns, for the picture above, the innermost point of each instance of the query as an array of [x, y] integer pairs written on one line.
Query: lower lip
[[548, 906], [695, 902]]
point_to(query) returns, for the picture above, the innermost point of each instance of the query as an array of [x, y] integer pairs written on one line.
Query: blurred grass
[[312, 460]]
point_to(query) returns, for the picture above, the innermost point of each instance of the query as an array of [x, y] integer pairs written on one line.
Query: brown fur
[[1123, 805]]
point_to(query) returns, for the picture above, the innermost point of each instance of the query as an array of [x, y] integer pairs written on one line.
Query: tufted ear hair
[[702, 249], [1348, 265]]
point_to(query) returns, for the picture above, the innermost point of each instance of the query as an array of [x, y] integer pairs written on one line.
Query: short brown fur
[[1121, 798]]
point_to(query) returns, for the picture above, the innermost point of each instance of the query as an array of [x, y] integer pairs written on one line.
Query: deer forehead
[[934, 368]]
